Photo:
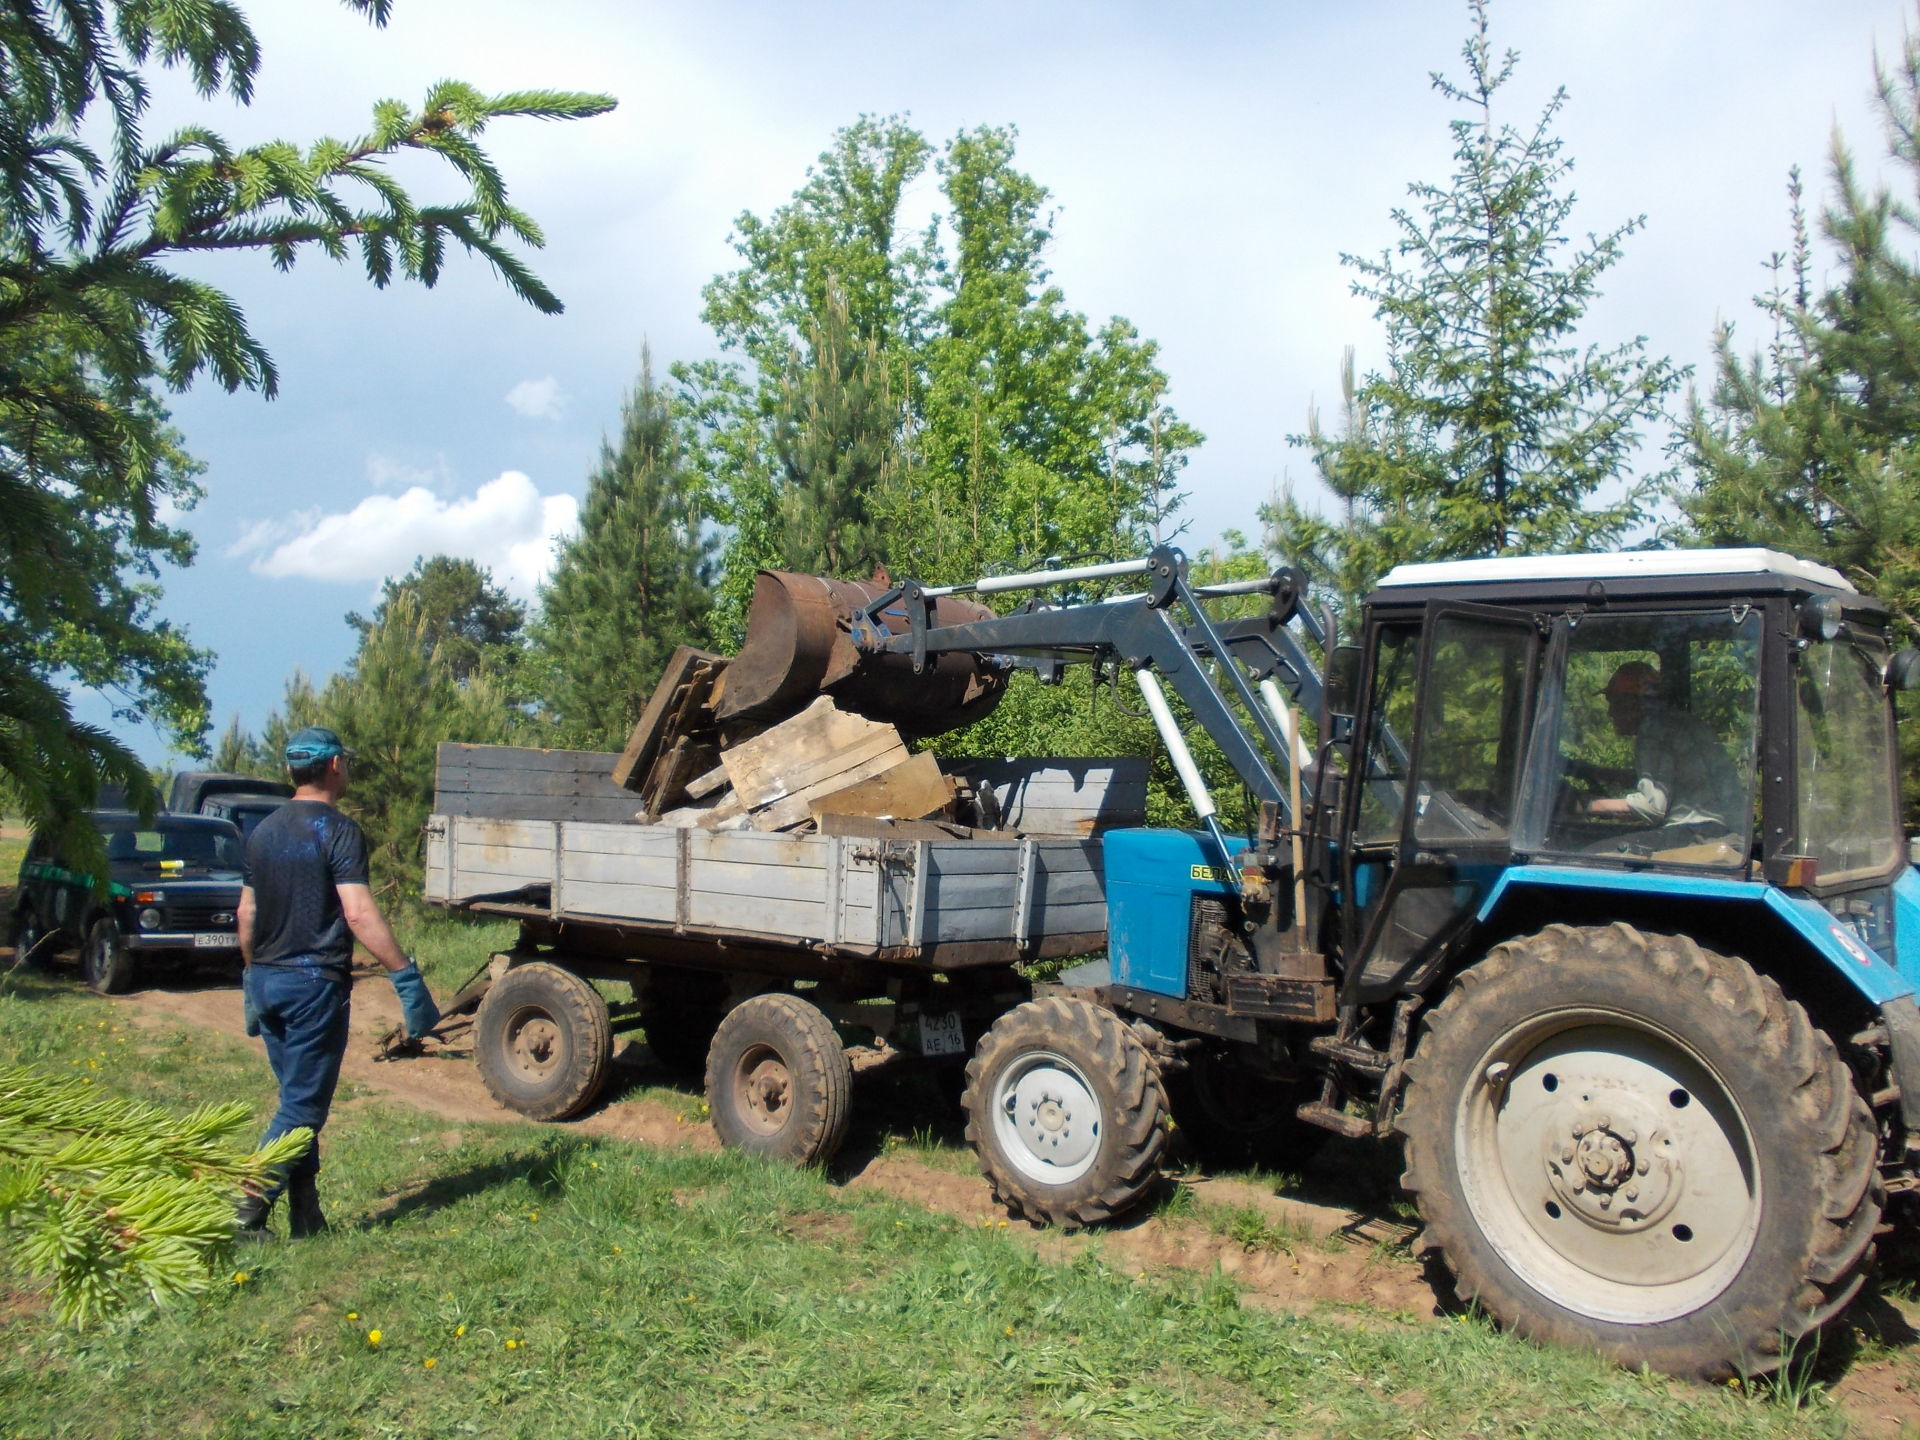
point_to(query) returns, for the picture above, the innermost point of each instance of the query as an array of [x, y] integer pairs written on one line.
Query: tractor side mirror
[[1903, 670], [1343, 681]]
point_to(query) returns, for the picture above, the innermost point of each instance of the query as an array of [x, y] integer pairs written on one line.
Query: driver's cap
[[313, 744], [1636, 677]]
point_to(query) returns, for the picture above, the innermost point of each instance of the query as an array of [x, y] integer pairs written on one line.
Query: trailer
[[775, 961]]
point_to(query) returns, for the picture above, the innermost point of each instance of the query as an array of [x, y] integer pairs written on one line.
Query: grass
[[531, 1281]]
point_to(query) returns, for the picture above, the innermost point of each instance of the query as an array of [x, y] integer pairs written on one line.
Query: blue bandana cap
[[313, 744]]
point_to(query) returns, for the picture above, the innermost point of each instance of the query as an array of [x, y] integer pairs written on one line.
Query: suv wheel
[[107, 961]]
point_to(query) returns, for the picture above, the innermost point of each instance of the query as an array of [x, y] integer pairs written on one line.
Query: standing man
[[306, 900]]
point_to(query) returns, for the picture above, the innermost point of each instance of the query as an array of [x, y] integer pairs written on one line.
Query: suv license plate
[[940, 1034], [219, 940]]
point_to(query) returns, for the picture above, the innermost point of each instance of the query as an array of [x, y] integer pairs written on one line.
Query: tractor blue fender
[[1889, 985]]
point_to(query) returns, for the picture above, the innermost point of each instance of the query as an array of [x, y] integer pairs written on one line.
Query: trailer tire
[[1066, 1112], [543, 1041], [1535, 1100], [106, 961], [779, 1084]]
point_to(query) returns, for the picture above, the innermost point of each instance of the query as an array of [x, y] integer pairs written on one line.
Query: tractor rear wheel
[[543, 1041], [1065, 1110], [1624, 1142]]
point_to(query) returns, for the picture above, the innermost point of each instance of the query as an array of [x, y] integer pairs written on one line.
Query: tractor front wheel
[[1624, 1142], [1065, 1110]]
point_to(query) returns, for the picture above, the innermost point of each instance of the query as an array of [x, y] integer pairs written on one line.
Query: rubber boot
[[252, 1213], [303, 1208]]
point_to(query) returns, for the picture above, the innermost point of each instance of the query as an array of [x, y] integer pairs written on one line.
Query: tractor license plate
[[940, 1034], [218, 940]]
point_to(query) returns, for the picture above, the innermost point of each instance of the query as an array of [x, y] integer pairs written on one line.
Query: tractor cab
[[1637, 723]]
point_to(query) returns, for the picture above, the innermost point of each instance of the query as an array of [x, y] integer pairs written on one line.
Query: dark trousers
[[303, 1019]]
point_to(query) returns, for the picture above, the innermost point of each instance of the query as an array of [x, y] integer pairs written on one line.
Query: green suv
[[173, 890]]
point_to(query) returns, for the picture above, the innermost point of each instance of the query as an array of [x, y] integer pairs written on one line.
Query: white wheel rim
[[1047, 1118], [1607, 1164]]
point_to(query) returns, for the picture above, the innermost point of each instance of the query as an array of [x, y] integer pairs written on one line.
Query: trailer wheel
[[1066, 1112], [1230, 1114], [778, 1081], [1626, 1143], [543, 1041], [106, 961]]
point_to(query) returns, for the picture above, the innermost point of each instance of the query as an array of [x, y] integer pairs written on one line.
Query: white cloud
[[506, 525], [538, 399]]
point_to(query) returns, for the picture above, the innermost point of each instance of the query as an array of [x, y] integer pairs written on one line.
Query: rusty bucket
[[798, 646]]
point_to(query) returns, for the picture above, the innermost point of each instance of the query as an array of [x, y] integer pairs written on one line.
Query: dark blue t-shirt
[[295, 858]]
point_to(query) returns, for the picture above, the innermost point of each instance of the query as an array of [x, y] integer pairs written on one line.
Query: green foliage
[[469, 620], [1492, 428], [930, 388], [1808, 444], [238, 753], [634, 583], [94, 218], [119, 1202]]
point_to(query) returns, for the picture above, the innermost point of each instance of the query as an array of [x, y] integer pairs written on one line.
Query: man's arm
[[369, 926], [243, 922]]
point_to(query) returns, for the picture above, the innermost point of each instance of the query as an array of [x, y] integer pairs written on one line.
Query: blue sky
[[1209, 162]]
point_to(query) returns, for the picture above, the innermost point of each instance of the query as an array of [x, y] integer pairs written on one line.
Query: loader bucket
[[798, 646]]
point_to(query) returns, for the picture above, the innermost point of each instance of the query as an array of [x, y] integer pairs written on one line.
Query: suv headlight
[[149, 919]]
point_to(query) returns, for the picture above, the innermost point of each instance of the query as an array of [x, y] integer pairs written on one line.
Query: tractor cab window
[[1649, 733], [1843, 759], [1396, 663]]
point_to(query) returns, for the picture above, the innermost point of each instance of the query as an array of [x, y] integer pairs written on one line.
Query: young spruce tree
[[1492, 427], [633, 584]]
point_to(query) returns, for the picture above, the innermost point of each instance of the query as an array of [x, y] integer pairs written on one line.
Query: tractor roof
[[1623, 573]]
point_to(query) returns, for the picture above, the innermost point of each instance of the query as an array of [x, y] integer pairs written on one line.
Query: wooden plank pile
[[823, 762]]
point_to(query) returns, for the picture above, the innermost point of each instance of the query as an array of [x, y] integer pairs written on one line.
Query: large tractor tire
[[1626, 1143], [1066, 1112], [543, 1041], [779, 1084], [105, 960]]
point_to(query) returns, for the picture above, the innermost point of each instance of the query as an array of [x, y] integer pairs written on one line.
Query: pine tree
[[118, 1202], [1492, 427], [1812, 444], [469, 619], [634, 583], [96, 314]]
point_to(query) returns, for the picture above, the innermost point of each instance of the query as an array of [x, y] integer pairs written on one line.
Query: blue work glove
[[416, 1001]]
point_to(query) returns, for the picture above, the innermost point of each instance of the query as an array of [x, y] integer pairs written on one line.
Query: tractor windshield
[[1648, 750], [1843, 758]]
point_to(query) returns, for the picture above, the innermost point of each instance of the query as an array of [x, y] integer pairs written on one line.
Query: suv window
[[156, 849]]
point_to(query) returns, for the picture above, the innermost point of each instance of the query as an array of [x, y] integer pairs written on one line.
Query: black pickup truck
[[173, 890], [244, 799]]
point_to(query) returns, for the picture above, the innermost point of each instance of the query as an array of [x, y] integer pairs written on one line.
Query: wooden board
[[667, 703], [818, 743], [509, 782], [908, 791]]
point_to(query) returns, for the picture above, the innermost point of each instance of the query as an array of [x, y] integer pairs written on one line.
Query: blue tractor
[[1591, 889]]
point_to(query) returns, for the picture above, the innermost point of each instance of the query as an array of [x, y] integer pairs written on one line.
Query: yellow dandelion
[[240, 1277], [458, 1331], [374, 1337], [618, 1251], [429, 1362], [1009, 1332], [513, 1344], [353, 1314]]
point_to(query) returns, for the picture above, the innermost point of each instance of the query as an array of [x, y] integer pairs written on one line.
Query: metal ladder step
[[1318, 1112]]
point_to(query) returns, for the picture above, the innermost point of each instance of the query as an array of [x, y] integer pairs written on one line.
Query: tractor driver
[[1686, 789]]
